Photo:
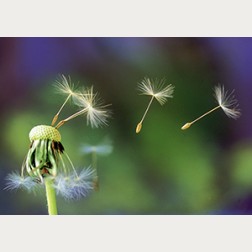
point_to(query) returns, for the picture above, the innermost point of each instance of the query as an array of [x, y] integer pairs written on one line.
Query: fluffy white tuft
[[227, 102]]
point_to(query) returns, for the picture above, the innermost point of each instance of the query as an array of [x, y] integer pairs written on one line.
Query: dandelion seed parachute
[[101, 149], [155, 89], [227, 102], [65, 86], [15, 181], [75, 187], [92, 106]]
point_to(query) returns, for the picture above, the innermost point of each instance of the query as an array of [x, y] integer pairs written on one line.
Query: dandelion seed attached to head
[[75, 187], [155, 89], [91, 106], [15, 181], [64, 86], [226, 101]]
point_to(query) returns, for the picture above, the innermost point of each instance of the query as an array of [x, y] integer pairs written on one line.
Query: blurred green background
[[206, 169]]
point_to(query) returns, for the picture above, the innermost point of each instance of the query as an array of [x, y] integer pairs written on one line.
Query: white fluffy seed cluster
[[44, 132]]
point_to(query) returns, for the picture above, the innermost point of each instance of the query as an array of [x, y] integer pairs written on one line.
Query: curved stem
[[51, 197]]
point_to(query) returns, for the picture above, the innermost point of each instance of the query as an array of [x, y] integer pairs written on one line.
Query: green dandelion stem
[[51, 197], [94, 160], [94, 165]]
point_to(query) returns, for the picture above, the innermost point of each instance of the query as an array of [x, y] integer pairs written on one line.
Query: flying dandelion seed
[[103, 149], [47, 161], [155, 89], [226, 101]]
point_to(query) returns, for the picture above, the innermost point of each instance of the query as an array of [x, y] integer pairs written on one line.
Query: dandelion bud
[[186, 126]]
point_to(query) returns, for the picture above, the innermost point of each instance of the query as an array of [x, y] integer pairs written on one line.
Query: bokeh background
[[163, 170]]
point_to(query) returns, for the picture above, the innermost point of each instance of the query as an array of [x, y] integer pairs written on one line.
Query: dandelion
[[102, 149], [47, 162], [155, 89], [226, 101]]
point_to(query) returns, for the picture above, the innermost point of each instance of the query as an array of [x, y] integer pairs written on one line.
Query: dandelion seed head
[[15, 181], [44, 132], [156, 89], [227, 102]]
